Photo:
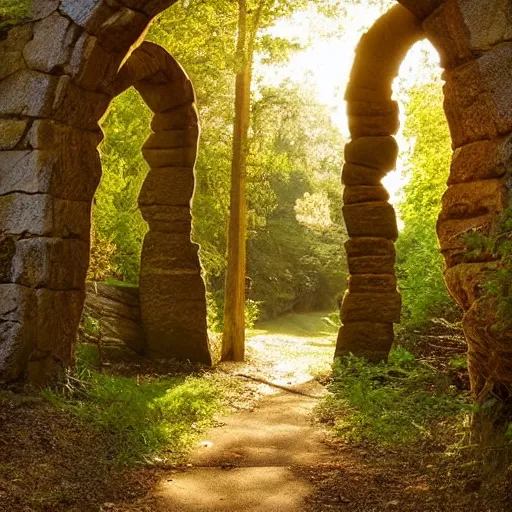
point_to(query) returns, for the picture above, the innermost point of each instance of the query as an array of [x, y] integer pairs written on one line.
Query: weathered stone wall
[[474, 39], [56, 71], [372, 304]]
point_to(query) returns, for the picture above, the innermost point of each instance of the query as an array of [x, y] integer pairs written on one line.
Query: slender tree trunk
[[233, 340]]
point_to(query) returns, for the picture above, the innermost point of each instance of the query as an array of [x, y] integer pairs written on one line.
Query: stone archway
[[172, 291], [476, 54], [56, 83]]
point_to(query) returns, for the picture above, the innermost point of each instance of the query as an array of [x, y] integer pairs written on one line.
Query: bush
[[389, 403]]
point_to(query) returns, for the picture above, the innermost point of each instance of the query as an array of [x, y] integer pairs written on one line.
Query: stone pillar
[[477, 54], [172, 291], [372, 303], [55, 72]]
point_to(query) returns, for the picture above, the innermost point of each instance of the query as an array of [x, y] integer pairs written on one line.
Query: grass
[[298, 325], [145, 420], [398, 402]]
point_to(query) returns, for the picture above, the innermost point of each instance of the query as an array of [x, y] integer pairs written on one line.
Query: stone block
[[42, 10], [372, 283], [11, 132], [171, 252], [28, 93], [176, 119], [371, 307], [17, 327], [47, 134], [478, 103], [461, 30], [371, 264], [358, 175], [365, 339], [372, 118], [117, 309], [375, 219], [7, 250], [167, 218], [173, 309], [168, 186], [58, 317], [91, 67], [375, 152], [474, 199], [44, 215], [88, 14], [380, 53], [78, 107], [464, 281], [69, 172], [50, 263], [451, 236], [11, 50], [51, 45], [364, 194], [173, 139], [481, 160], [421, 8], [172, 157], [356, 247], [121, 30], [163, 97]]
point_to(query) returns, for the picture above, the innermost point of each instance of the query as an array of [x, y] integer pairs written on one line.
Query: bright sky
[[327, 62]]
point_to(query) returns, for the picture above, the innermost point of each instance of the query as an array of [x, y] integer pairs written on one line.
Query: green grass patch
[[155, 419], [401, 401]]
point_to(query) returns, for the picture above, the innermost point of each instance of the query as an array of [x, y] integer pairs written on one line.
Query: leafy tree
[[420, 264]]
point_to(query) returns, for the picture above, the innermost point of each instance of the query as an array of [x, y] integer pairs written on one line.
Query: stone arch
[[56, 80], [172, 291], [476, 52], [372, 303]]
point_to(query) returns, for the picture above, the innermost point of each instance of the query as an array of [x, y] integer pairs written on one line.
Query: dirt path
[[253, 461]]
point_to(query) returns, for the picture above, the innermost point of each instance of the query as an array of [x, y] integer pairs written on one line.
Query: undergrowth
[[398, 402], [148, 419]]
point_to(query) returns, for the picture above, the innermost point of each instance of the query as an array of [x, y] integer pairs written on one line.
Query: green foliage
[[497, 285], [12, 12], [142, 420], [294, 150], [420, 264], [389, 403], [119, 228]]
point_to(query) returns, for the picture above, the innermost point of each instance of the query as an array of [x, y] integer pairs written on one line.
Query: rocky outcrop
[[117, 310]]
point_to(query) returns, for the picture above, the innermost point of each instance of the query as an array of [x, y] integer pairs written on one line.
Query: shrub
[[389, 403]]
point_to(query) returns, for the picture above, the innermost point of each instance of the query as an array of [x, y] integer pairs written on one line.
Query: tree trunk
[[233, 339]]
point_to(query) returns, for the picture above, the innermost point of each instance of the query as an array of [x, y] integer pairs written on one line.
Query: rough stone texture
[[478, 103], [375, 152], [364, 194], [374, 307], [372, 283], [358, 175], [366, 339], [374, 219], [117, 309], [482, 161]]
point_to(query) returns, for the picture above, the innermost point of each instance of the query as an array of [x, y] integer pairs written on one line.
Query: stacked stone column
[[476, 52], [372, 304], [172, 291]]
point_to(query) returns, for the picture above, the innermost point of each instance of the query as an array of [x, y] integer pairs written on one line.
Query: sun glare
[[325, 66]]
